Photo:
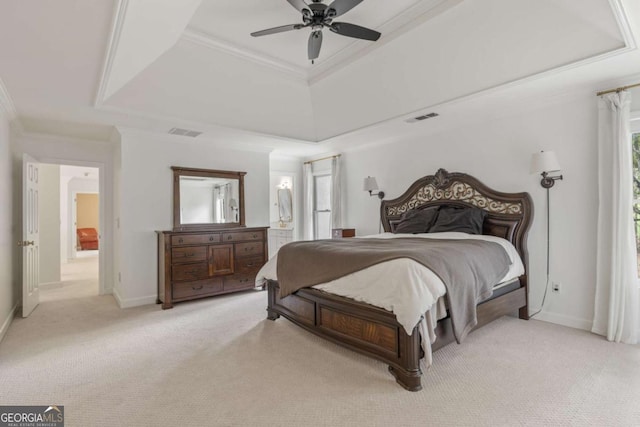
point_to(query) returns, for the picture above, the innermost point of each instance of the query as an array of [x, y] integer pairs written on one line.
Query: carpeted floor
[[219, 362]]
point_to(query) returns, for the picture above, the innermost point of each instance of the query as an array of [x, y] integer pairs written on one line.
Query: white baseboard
[[561, 319], [133, 302], [7, 321]]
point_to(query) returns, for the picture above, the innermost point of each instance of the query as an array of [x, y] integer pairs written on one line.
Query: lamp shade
[[370, 184], [544, 161]]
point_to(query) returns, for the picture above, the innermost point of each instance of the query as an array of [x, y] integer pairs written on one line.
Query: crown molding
[[6, 103], [172, 121], [203, 39], [119, 14], [623, 23]]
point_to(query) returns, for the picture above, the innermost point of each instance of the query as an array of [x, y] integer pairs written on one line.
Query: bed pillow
[[417, 221], [462, 219]]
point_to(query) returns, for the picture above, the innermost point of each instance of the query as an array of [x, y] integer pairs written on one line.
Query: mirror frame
[[179, 171]]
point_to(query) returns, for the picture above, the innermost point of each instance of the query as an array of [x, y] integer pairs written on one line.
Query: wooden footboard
[[375, 332], [361, 327]]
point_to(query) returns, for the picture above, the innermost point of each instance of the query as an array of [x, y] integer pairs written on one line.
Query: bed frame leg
[[408, 380], [523, 313], [272, 315]]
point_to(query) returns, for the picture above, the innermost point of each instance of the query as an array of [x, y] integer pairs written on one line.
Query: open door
[[30, 238]]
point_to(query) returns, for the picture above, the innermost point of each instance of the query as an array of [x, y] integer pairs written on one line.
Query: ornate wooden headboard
[[509, 214]]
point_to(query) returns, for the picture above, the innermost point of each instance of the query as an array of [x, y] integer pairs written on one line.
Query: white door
[[30, 239]]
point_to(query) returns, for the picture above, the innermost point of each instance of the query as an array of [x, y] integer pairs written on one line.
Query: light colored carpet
[[79, 279], [219, 362]]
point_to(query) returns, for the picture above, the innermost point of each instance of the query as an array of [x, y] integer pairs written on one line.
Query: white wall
[[146, 202], [49, 222], [8, 296], [498, 153]]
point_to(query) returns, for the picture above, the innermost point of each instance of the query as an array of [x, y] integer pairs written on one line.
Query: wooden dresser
[[197, 264]]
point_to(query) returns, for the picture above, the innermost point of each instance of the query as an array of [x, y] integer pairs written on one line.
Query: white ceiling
[[230, 22], [79, 68]]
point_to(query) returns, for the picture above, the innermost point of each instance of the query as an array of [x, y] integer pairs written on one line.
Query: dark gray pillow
[[417, 221], [465, 220]]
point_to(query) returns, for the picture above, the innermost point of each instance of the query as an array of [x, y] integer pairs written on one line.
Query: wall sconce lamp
[[543, 163], [371, 185]]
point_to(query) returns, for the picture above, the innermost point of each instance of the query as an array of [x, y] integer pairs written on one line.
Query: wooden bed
[[374, 331]]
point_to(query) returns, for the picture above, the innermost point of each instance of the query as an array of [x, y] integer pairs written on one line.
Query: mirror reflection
[[284, 205], [208, 200]]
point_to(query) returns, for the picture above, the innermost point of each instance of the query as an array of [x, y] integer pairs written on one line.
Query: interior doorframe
[[102, 221]]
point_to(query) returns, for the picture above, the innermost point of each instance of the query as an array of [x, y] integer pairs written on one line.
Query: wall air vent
[[420, 118], [184, 132]]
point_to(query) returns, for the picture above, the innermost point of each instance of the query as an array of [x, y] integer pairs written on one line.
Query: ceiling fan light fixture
[[318, 15]]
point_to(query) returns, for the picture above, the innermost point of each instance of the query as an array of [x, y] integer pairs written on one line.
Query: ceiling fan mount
[[317, 16]]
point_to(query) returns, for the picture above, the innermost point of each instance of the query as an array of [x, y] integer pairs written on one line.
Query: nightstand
[[339, 233]]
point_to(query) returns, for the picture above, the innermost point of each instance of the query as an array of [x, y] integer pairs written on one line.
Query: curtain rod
[[618, 89], [324, 158]]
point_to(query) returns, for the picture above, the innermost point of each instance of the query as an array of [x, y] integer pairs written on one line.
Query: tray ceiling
[[208, 73]]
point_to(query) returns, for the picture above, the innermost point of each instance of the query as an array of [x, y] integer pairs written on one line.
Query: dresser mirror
[[205, 199]]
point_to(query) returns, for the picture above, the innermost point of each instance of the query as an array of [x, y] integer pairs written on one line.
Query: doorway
[[69, 231]]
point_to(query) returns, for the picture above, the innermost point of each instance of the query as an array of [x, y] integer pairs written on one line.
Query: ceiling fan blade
[[315, 43], [343, 6], [277, 30], [355, 31], [298, 4]]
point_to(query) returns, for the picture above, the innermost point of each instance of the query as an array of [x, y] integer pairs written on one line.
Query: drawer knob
[[180, 240], [255, 236], [194, 272], [250, 264], [190, 255], [197, 288], [229, 237], [211, 238]]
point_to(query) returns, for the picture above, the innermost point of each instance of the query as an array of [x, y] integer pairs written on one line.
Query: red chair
[[88, 238]]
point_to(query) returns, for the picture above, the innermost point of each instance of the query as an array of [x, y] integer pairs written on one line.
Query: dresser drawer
[[190, 271], [249, 264], [240, 281], [195, 239], [249, 249], [194, 289], [240, 236], [189, 254]]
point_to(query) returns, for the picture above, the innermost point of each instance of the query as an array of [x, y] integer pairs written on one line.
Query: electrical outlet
[[555, 287]]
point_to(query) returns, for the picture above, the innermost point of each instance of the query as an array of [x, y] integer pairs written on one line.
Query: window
[[322, 207], [635, 141]]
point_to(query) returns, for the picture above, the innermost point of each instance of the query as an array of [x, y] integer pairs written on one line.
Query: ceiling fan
[[318, 15]]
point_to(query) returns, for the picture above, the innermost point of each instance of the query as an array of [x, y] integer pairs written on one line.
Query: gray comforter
[[468, 268]]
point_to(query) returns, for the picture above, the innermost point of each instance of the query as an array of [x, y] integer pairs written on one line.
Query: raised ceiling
[[133, 64]]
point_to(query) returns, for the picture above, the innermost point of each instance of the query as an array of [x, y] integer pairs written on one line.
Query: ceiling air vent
[[184, 132], [423, 117]]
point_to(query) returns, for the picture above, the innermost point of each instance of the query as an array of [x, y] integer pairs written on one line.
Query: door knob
[[26, 242]]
